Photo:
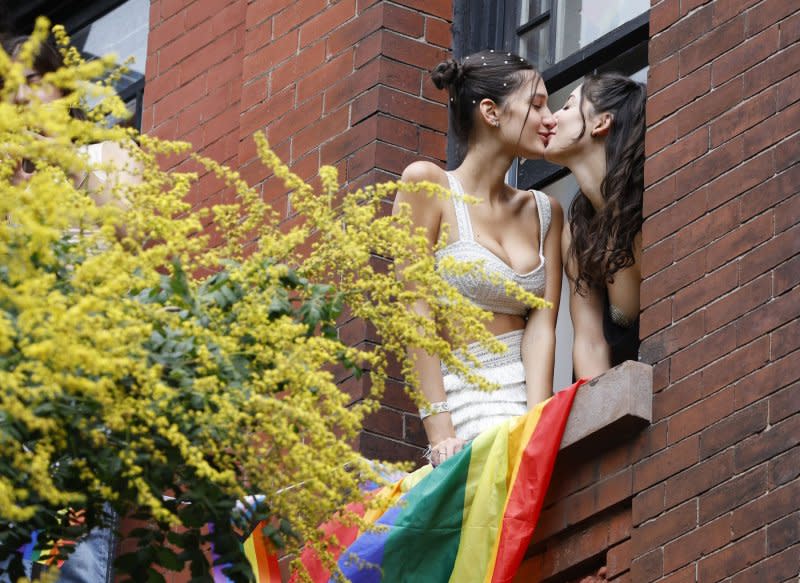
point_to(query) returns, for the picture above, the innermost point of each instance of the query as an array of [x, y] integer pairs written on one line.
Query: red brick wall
[[339, 82], [718, 499]]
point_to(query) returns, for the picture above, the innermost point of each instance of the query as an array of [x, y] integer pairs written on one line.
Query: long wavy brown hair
[[602, 241]]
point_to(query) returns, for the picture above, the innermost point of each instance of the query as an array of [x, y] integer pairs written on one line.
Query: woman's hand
[[445, 449]]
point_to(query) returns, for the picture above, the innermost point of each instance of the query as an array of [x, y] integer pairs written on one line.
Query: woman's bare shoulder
[[421, 171]]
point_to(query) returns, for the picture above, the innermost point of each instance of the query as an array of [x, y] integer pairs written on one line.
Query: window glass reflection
[[580, 22]]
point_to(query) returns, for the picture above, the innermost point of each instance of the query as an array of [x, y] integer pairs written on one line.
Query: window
[[96, 28]]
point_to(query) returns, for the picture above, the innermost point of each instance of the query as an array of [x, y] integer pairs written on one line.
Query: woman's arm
[[539, 339], [591, 355], [426, 212]]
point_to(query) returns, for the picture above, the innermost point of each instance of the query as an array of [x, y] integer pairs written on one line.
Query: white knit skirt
[[474, 410]]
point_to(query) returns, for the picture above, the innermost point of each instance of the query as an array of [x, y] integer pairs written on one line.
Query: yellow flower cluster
[[124, 376]]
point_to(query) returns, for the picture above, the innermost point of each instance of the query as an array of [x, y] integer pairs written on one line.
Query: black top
[[623, 341]]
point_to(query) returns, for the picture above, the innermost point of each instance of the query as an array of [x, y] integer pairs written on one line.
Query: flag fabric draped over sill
[[468, 521]]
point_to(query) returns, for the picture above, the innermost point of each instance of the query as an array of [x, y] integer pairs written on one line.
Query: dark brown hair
[[602, 241], [485, 75]]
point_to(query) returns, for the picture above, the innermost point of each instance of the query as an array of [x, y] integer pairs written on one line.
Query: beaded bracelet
[[434, 409]]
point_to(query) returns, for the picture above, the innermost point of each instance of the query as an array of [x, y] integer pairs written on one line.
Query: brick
[[340, 67], [172, 103], [183, 46], [218, 51], [356, 84], [739, 240], [166, 31], [410, 51], [700, 415], [769, 193], [259, 116], [440, 8], [774, 69], [403, 20], [353, 31], [723, 11], [400, 76], [673, 278], [685, 575], [655, 318], [676, 155], [767, 13], [398, 132], [789, 89], [618, 559], [647, 504], [769, 316], [362, 161], [379, 447], [259, 36], [745, 116], [393, 159], [677, 395], [786, 275], [733, 493], [432, 144], [741, 301], [674, 217], [762, 510], [733, 558], [660, 376], [260, 10], [709, 107], [369, 48], [413, 109], [660, 75], [297, 67], [785, 156], [698, 479], [785, 339], [205, 109], [696, 544], [267, 58], [701, 293], [161, 86], [711, 165], [658, 196], [784, 469], [297, 13], [719, 40], [746, 55], [663, 15], [659, 136], [222, 19], [790, 30], [683, 32], [657, 256], [660, 345], [767, 380], [350, 140], [364, 105], [665, 463], [648, 567], [771, 131], [782, 567], [685, 90], [701, 353], [767, 444], [733, 429], [736, 365], [783, 533], [327, 20], [385, 421], [772, 253], [220, 125], [438, 32], [254, 93]]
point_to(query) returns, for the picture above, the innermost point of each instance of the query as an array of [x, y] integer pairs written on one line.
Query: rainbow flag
[[468, 521]]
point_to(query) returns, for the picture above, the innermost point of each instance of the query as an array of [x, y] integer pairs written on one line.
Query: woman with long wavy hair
[[599, 136]]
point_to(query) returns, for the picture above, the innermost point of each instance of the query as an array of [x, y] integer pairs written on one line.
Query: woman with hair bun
[[599, 136], [498, 110]]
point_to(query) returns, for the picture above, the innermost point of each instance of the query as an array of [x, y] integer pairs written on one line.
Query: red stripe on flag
[[527, 495]]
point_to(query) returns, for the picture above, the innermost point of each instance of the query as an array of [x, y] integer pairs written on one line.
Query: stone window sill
[[610, 408]]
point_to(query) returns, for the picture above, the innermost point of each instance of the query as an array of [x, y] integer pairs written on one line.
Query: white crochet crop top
[[474, 286]]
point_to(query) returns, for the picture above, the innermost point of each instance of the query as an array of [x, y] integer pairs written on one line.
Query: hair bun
[[447, 73]]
